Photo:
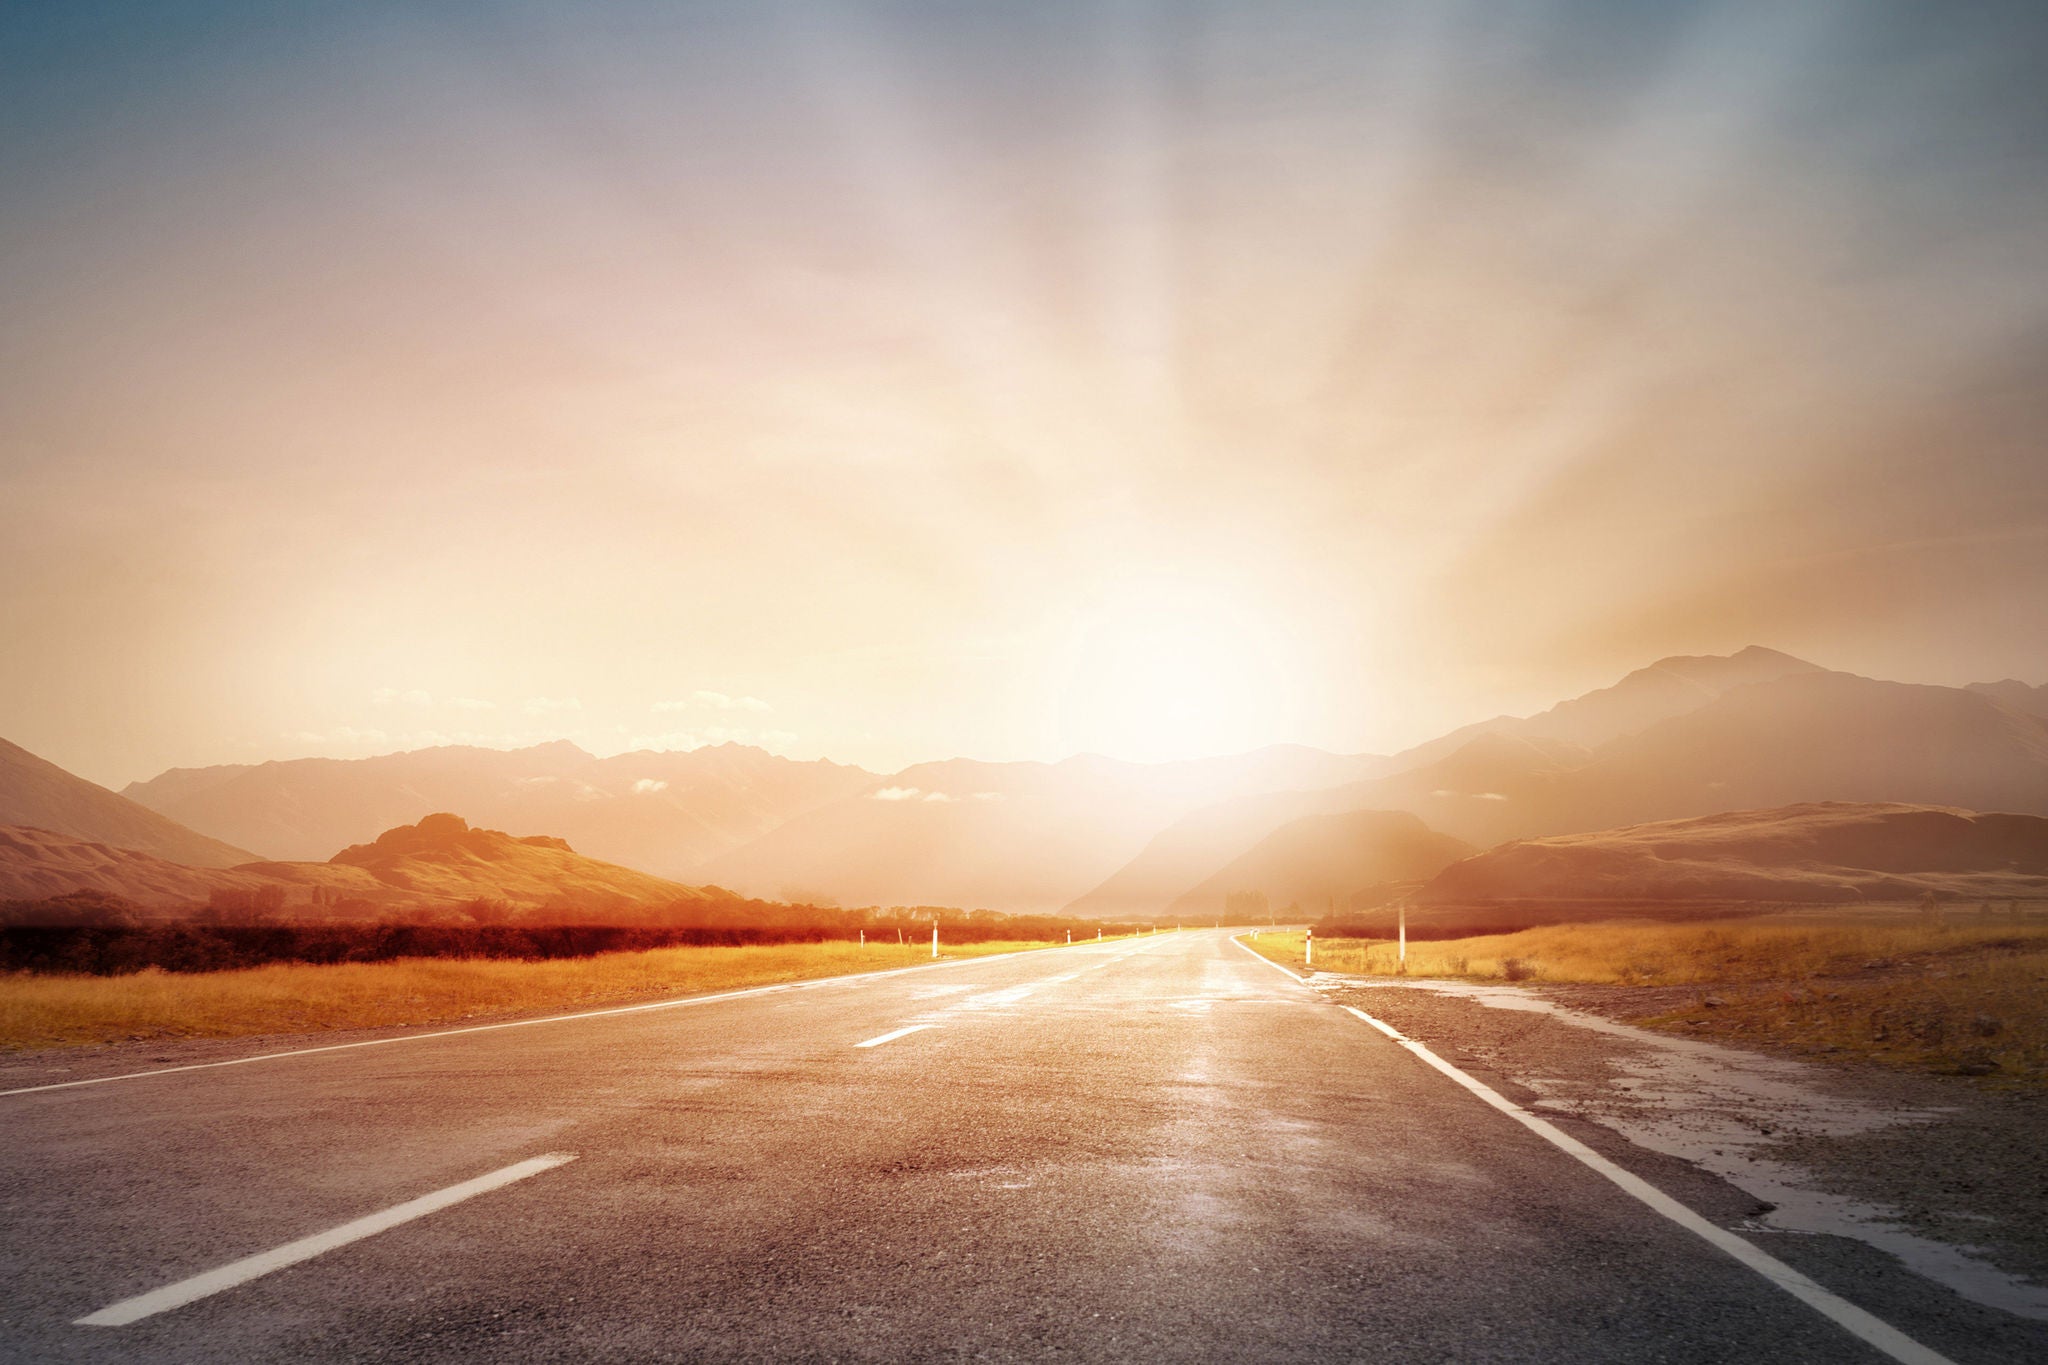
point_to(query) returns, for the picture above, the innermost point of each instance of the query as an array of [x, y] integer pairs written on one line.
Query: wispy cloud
[[895, 794], [550, 706], [648, 785], [704, 736]]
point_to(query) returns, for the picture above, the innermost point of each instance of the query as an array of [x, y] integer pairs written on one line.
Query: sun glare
[[1175, 672]]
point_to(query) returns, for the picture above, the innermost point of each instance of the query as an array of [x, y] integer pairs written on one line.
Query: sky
[[889, 382]]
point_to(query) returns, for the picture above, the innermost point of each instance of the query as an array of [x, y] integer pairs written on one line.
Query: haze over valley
[[1468, 818]]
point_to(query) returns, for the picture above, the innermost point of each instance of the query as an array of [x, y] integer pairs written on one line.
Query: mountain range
[[1801, 735], [1467, 765], [1324, 862], [1685, 737]]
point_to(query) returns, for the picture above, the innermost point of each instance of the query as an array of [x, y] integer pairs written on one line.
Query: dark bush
[[79, 938]]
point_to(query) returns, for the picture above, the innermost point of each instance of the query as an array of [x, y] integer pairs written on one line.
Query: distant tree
[[73, 909]]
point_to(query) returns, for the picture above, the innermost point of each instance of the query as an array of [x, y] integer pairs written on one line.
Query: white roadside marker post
[[863, 938], [1098, 936], [935, 938], [1308, 947], [1070, 935]]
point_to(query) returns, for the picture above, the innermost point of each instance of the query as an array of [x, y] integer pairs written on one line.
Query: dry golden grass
[[1970, 997], [49, 1011]]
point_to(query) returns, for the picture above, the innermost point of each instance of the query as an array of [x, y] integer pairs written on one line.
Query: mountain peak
[[562, 750], [1751, 663]]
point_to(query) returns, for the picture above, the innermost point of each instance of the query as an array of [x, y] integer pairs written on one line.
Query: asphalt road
[[1160, 1150]]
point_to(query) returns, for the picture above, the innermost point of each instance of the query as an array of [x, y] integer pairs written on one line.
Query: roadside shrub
[[88, 944]]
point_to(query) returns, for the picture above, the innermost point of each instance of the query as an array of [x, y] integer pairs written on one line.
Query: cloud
[[895, 794], [937, 796], [714, 701], [648, 785], [548, 706], [682, 741], [1489, 796]]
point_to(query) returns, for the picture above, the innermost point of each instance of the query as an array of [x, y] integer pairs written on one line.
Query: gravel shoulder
[[1947, 1173]]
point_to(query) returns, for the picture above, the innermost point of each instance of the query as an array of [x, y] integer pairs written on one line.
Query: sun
[[1176, 670]]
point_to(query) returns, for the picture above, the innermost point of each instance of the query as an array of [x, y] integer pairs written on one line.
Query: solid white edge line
[[1867, 1327], [1296, 977], [555, 1018], [891, 1037], [291, 1253]]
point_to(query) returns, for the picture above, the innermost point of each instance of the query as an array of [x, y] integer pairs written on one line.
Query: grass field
[[52, 1011], [1968, 997]]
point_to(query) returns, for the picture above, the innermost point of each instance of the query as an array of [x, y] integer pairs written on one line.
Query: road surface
[[1161, 1149]]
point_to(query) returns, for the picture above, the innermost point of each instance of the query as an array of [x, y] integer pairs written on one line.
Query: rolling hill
[[2018, 696], [37, 793], [1001, 836], [1326, 861], [1792, 733], [442, 860], [1462, 794], [36, 864], [439, 862], [1809, 853]]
